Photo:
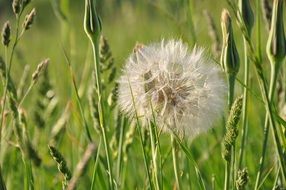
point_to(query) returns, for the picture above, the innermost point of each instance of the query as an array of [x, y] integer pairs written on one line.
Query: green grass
[[132, 148]]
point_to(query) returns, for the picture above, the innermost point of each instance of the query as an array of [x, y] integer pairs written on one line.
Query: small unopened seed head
[[229, 55], [29, 19], [16, 5], [40, 68], [247, 14], [92, 23], [276, 46], [6, 34]]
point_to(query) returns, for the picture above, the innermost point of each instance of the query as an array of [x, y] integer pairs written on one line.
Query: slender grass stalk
[[154, 155], [273, 81], [158, 148], [233, 166], [92, 27], [120, 147], [138, 127], [92, 186], [244, 105], [17, 38], [3, 106], [191, 23], [95, 48], [175, 162], [227, 175]]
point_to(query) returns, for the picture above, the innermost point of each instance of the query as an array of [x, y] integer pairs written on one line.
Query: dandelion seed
[[185, 90]]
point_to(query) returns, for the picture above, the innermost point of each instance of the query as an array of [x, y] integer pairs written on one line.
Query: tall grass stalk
[[18, 36], [120, 146], [96, 161], [95, 48], [244, 106]]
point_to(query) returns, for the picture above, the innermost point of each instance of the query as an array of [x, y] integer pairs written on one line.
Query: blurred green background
[[59, 25]]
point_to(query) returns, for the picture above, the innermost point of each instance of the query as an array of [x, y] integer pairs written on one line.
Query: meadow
[[70, 112]]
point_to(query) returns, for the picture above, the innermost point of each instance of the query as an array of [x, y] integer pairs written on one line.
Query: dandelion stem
[[244, 105], [154, 155], [175, 162]]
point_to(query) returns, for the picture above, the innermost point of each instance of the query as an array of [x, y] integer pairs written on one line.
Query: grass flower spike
[[185, 89]]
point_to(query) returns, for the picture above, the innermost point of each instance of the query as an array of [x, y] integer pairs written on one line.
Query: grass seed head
[[29, 20], [242, 179], [16, 5], [40, 68], [231, 128], [6, 31]]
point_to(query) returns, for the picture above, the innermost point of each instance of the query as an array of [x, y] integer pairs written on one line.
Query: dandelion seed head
[[185, 91]]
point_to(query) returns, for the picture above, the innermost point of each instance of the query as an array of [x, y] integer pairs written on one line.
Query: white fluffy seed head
[[185, 91]]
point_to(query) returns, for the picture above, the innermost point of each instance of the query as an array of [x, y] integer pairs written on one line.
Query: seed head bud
[[16, 5], [276, 47], [29, 19], [92, 23], [6, 31], [246, 15], [40, 68], [229, 56]]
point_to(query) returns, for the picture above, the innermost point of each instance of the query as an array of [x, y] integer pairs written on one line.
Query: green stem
[[227, 175], [244, 106], [120, 147], [231, 83], [101, 110], [175, 162], [95, 166], [154, 155], [233, 168]]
